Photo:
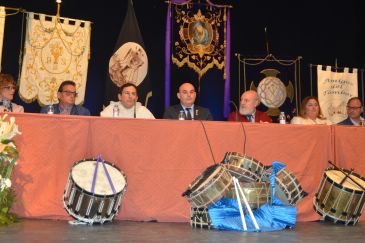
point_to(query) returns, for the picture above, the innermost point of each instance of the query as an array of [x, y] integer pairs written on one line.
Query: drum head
[[203, 179], [338, 177], [83, 172]]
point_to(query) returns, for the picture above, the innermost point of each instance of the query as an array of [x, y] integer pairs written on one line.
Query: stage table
[[160, 158]]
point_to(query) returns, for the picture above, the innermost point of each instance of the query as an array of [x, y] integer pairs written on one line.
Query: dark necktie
[[249, 118], [188, 114]]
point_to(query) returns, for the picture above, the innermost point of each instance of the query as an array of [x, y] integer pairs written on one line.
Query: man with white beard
[[247, 111]]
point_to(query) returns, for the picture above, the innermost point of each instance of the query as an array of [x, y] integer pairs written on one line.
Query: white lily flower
[[7, 183]]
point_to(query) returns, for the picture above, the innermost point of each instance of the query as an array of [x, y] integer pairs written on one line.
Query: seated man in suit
[[354, 109], [247, 111], [187, 96], [66, 95]]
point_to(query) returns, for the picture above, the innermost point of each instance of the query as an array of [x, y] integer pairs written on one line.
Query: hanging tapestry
[[276, 81], [56, 49], [201, 41], [198, 41], [334, 90]]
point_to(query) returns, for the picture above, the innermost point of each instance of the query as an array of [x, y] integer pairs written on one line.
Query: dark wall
[[319, 31]]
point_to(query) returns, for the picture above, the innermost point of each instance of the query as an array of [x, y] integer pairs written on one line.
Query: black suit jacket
[[347, 121], [200, 113]]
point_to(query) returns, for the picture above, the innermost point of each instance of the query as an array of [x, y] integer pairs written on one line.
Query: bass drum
[[339, 199], [96, 202]]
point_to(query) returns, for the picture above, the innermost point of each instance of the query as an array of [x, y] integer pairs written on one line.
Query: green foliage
[[7, 197]]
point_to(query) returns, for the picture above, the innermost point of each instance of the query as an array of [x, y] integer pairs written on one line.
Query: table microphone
[[135, 109], [236, 109]]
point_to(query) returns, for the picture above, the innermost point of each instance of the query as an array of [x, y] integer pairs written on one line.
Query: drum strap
[[106, 173]]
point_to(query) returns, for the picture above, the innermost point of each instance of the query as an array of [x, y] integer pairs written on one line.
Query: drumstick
[[347, 175]]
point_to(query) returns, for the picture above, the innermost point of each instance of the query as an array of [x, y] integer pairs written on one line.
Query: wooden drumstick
[[346, 175]]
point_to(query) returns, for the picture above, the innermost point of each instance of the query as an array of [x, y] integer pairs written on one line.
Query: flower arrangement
[[8, 157]]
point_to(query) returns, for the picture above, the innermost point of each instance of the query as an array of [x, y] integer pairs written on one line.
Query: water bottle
[[116, 110], [50, 109], [182, 115], [282, 119]]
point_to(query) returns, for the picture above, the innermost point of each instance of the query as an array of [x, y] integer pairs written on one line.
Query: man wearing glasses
[[127, 106], [354, 110], [7, 91], [66, 96], [187, 110]]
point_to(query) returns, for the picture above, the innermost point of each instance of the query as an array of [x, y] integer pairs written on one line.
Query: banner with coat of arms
[[276, 81], [56, 49], [197, 47], [2, 26]]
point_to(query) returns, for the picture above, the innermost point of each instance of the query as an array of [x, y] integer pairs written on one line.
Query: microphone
[[235, 106], [135, 109]]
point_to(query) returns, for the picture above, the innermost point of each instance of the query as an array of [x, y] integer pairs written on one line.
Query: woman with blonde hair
[[7, 91], [310, 113]]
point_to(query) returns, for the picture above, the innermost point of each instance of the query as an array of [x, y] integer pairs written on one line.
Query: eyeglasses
[[69, 93], [10, 87], [353, 107]]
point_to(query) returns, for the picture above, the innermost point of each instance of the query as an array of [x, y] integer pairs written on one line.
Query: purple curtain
[[227, 85], [168, 52]]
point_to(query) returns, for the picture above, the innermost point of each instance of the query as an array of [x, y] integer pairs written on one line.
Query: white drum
[[96, 202]]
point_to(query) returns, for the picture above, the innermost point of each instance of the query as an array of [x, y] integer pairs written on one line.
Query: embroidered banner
[[129, 62], [334, 90], [2, 25], [55, 50], [276, 81], [197, 47]]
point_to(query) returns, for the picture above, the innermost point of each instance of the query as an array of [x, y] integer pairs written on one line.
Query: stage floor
[[28, 230]]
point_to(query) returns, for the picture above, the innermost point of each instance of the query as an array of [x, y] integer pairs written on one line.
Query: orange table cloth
[[160, 158]]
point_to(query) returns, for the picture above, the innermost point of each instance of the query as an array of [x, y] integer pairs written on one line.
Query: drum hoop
[[93, 159], [205, 187], [243, 156], [95, 194], [342, 187], [89, 220], [331, 218], [83, 191]]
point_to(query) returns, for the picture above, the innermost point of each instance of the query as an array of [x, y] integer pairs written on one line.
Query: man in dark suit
[[354, 109], [187, 108], [66, 96]]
